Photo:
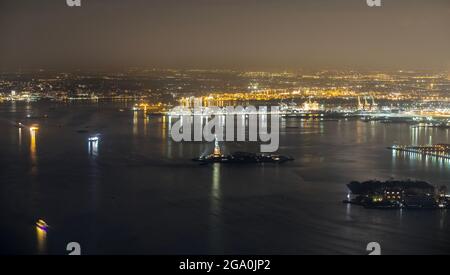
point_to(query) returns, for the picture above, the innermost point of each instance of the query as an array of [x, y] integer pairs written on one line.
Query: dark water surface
[[139, 193]]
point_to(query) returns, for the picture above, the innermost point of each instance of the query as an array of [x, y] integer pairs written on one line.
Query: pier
[[438, 150]]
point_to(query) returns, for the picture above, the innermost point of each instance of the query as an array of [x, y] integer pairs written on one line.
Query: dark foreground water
[[139, 193]]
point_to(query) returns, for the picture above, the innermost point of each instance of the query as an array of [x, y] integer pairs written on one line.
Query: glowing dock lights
[[438, 150]]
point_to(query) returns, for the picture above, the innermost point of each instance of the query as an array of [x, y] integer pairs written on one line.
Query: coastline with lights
[[438, 150]]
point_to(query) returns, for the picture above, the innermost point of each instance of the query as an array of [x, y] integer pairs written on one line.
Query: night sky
[[236, 34]]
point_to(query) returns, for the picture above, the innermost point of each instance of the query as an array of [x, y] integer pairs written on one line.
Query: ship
[[240, 157], [42, 225], [19, 125]]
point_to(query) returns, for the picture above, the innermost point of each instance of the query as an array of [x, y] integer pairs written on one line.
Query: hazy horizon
[[225, 34]]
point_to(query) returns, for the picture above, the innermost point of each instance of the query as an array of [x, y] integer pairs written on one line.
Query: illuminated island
[[395, 194], [240, 157]]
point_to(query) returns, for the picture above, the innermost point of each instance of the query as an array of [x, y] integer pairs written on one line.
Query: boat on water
[[41, 224], [241, 157], [19, 125], [94, 138]]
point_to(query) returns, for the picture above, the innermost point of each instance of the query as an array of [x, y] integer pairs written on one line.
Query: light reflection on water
[[415, 159], [146, 122], [348, 212], [216, 208], [41, 236], [93, 148], [20, 138], [33, 151], [135, 123]]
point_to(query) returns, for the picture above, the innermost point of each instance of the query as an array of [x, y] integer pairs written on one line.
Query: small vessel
[[41, 224], [34, 129], [240, 157], [20, 125], [94, 138]]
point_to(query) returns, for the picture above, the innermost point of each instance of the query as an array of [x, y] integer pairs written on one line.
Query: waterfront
[[139, 193]]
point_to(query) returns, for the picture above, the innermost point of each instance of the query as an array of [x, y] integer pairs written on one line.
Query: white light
[[93, 139]]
